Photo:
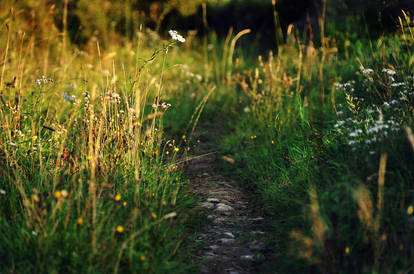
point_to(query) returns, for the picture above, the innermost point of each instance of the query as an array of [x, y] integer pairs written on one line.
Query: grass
[[93, 138]]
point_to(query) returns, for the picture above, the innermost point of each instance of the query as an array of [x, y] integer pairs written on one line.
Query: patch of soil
[[234, 240]]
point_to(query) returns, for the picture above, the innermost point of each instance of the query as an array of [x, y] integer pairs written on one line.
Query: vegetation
[[97, 113]]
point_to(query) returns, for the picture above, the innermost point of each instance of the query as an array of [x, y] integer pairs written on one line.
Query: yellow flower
[[124, 203], [120, 229], [118, 197], [253, 137], [153, 194], [57, 194], [80, 221], [176, 149], [35, 198], [137, 124], [410, 210], [64, 193], [167, 152], [153, 215], [184, 137], [79, 180], [273, 142], [142, 258], [346, 250], [89, 158]]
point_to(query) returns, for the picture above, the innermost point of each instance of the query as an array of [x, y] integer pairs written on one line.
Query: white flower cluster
[[176, 36], [43, 80], [162, 106], [366, 124], [68, 97]]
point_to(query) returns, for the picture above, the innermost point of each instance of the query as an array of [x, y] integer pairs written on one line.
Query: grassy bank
[[323, 138], [90, 182]]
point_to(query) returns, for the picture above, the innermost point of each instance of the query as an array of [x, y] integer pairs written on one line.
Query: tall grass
[[89, 181], [321, 140]]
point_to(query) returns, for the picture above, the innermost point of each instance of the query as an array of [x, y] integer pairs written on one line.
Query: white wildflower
[[176, 36], [68, 97], [388, 71], [2, 192], [367, 71]]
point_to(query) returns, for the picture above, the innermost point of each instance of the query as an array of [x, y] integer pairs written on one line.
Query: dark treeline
[[88, 18]]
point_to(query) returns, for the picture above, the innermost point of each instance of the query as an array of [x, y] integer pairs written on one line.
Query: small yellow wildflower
[[153, 194], [410, 210], [79, 180], [120, 229], [184, 137], [35, 198], [273, 142], [124, 203], [176, 149], [153, 215], [346, 250], [142, 258], [89, 158], [118, 197], [137, 124], [57, 194], [253, 137], [167, 152], [80, 221]]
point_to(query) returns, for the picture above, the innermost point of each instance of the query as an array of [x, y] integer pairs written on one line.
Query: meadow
[[97, 127]]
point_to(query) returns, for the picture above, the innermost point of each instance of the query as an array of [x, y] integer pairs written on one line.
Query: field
[[107, 112]]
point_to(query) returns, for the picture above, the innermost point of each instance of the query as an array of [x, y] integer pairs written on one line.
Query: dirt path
[[234, 239]]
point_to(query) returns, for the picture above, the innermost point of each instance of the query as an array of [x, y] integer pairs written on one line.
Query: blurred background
[[106, 20]]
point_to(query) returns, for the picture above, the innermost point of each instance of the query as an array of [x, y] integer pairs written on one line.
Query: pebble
[[213, 200], [207, 205], [223, 208], [227, 241], [231, 235], [246, 257]]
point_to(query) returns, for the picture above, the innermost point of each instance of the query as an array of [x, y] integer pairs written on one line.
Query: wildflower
[[153, 215], [120, 229], [79, 221], [2, 192], [124, 203], [64, 193], [34, 233], [57, 194], [273, 142], [176, 36], [253, 137], [68, 97], [118, 197], [346, 250], [388, 71], [184, 137], [142, 258], [176, 149], [410, 210], [367, 71], [35, 198], [167, 152]]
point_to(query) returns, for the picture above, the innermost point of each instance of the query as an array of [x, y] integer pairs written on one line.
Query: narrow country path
[[233, 241]]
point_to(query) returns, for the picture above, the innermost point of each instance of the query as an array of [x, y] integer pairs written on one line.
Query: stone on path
[[224, 209], [207, 205]]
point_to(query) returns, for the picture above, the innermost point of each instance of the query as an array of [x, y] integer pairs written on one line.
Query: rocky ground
[[234, 238]]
